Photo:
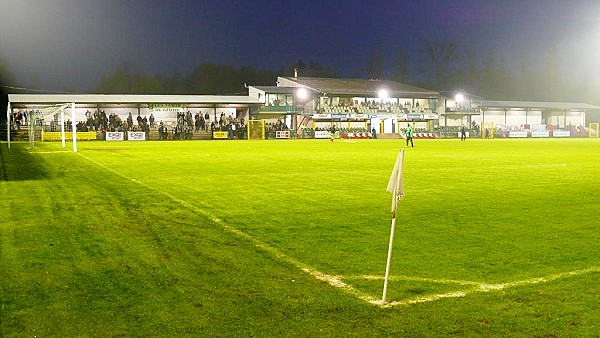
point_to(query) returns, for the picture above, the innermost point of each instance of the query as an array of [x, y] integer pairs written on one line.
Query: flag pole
[[389, 258], [396, 187]]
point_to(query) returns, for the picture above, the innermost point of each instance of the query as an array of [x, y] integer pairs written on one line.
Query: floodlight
[[383, 94], [302, 93], [459, 98]]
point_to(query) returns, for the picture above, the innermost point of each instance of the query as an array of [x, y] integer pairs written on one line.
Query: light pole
[[300, 99], [458, 99], [383, 94]]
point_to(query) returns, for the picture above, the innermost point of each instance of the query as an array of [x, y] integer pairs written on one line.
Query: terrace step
[[388, 136]]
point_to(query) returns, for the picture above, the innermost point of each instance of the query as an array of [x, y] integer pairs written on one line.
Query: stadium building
[[515, 118], [297, 107], [349, 104]]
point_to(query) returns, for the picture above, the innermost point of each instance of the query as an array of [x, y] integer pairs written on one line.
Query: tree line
[[440, 65], [207, 78]]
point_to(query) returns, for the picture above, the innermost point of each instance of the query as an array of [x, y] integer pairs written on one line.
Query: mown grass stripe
[[331, 280]]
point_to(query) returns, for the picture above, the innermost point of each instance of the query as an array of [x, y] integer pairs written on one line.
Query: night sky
[[70, 44]]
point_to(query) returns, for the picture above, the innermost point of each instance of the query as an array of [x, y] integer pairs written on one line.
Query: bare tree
[[402, 68], [439, 58], [375, 65]]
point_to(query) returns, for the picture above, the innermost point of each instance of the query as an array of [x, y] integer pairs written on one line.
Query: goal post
[[487, 129], [38, 116], [594, 130], [256, 129]]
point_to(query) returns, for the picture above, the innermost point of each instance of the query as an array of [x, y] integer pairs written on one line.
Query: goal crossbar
[[40, 113]]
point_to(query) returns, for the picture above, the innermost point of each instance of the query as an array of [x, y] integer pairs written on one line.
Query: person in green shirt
[[409, 135]]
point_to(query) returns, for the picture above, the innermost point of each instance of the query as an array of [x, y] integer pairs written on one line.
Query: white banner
[[517, 134], [136, 136], [559, 133], [322, 134], [114, 136], [540, 134]]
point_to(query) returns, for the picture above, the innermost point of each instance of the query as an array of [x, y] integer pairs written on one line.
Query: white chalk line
[[477, 287], [415, 279], [51, 152], [337, 281]]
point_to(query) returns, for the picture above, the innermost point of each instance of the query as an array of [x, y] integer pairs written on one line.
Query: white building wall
[[515, 117], [534, 117], [495, 116], [575, 119]]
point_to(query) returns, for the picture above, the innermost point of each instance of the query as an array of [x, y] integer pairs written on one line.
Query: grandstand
[[350, 106]]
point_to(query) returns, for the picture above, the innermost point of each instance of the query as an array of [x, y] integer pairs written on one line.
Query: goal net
[[39, 118], [594, 130], [256, 129]]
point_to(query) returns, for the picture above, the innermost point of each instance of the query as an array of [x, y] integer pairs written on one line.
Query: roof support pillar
[[74, 127], [8, 124], [62, 126]]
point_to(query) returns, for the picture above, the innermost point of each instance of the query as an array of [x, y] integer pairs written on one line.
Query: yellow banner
[[220, 134], [81, 136]]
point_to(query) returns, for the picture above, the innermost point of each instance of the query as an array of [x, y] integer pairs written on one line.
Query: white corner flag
[[396, 182], [396, 187]]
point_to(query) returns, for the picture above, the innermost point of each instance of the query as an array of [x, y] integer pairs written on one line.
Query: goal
[[594, 130], [37, 117], [256, 129]]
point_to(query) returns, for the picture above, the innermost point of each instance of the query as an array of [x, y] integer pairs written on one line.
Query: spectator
[[129, 121]]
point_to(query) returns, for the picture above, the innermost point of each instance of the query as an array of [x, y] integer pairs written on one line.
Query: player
[[409, 135]]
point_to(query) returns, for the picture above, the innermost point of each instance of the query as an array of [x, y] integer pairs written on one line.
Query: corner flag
[[396, 182], [396, 187]]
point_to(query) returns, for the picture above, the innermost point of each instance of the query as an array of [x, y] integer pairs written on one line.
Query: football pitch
[[290, 238]]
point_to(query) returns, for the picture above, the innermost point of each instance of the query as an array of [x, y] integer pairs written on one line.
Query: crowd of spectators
[[17, 120], [371, 106], [277, 126], [235, 127]]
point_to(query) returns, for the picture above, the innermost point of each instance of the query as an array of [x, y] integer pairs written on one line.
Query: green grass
[[237, 239]]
